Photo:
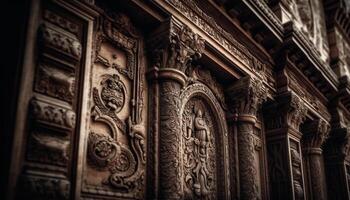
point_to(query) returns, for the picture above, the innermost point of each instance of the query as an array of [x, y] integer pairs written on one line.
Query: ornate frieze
[[61, 22], [309, 19], [307, 96], [192, 12]]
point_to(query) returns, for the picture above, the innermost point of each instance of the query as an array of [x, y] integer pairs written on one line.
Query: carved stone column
[[247, 95], [170, 61], [336, 155], [282, 121], [314, 135]]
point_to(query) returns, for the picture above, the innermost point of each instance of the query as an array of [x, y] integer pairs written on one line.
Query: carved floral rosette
[[204, 141]]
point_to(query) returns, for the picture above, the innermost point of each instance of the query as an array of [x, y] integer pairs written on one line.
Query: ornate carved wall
[[180, 99]]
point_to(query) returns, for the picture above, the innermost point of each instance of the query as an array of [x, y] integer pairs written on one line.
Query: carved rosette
[[247, 95]]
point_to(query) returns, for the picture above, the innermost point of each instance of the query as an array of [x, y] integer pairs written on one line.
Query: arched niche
[[204, 144]]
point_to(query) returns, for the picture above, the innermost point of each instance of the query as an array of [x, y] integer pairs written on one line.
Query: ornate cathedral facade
[[179, 99]]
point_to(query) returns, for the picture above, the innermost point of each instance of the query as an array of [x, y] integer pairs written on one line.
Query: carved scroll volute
[[247, 95], [175, 47]]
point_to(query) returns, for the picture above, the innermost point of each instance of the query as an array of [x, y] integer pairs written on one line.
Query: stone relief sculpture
[[199, 152]]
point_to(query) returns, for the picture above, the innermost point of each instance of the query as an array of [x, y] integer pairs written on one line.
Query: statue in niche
[[198, 136]]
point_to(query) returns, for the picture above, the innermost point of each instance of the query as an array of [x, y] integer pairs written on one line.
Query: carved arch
[[200, 92]]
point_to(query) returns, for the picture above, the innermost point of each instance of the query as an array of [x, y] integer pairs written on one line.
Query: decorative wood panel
[[115, 157]]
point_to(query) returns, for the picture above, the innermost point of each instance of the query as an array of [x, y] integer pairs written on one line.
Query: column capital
[[174, 46], [315, 133], [292, 112], [247, 95]]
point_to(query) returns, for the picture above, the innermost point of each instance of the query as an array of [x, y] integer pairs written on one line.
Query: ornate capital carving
[[175, 46], [315, 133], [292, 112], [247, 95], [296, 112]]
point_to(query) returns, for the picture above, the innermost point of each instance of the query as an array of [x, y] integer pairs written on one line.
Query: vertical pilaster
[[314, 135], [336, 153], [247, 95], [282, 121]]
